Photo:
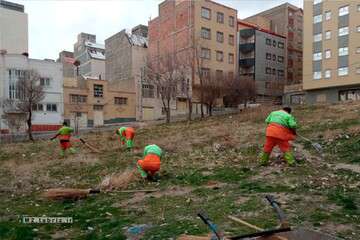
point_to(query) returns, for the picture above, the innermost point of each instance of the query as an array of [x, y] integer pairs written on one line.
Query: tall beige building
[[332, 50], [13, 28]]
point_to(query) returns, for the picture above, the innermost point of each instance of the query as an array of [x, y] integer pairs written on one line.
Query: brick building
[[185, 25]]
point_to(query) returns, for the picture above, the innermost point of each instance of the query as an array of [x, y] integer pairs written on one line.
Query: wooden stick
[[238, 220]]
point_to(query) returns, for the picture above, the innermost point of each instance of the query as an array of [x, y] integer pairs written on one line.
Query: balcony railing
[[246, 33], [246, 63], [247, 47]]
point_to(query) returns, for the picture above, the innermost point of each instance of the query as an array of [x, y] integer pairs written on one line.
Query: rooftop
[[256, 27], [95, 45], [11, 6], [136, 40]]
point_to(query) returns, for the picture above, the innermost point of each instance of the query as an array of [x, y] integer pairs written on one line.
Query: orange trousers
[[150, 164], [271, 142]]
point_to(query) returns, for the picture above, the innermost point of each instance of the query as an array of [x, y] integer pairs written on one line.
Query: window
[[98, 90], [318, 18], [317, 75], [343, 71], [205, 13], [78, 98], [328, 35], [353, 94], [268, 70], [231, 58], [357, 70], [327, 74], [280, 59], [205, 72], [327, 15], [358, 8], [219, 56], [317, 56], [205, 53], [358, 28], [280, 73], [268, 41], [120, 100], [274, 71], [98, 107], [274, 43], [51, 107], [317, 1], [205, 33], [219, 74], [318, 37], [274, 57], [344, 11], [231, 40], [148, 91], [328, 54], [45, 82], [281, 45], [343, 51], [231, 21], [38, 107], [220, 37], [220, 17], [358, 50], [268, 56], [343, 31]]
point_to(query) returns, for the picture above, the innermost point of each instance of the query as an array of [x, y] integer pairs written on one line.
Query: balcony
[[247, 47], [247, 62], [246, 33]]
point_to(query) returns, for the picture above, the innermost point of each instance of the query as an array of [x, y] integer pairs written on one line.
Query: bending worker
[[151, 162], [280, 130], [127, 135], [64, 135]]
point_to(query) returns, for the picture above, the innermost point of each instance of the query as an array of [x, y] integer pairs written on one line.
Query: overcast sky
[[54, 24]]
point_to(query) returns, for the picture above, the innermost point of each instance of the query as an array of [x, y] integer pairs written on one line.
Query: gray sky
[[54, 24]]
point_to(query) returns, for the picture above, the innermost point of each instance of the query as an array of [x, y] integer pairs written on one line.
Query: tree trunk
[[168, 112], [29, 123], [210, 110], [190, 109]]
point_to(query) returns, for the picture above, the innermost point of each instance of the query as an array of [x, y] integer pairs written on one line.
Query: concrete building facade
[[286, 20], [13, 28], [332, 52], [91, 56], [126, 54], [262, 59], [48, 114], [90, 102], [67, 60], [183, 26]]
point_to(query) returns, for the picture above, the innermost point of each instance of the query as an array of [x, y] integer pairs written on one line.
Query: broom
[[68, 193]]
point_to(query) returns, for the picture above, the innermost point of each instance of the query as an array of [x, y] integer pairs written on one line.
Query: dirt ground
[[208, 164]]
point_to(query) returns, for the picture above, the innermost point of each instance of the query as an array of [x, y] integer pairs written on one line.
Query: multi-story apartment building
[[126, 54], [183, 26], [90, 102], [286, 20], [332, 50], [90, 55], [13, 28], [48, 114], [262, 59]]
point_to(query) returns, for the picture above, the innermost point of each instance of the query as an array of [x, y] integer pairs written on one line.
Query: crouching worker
[[280, 130], [127, 135], [64, 135], [151, 162]]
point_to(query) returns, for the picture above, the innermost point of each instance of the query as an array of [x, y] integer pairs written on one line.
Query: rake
[[315, 145]]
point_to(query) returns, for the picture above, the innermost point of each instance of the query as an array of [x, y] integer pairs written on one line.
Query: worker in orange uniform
[[64, 135], [127, 135], [151, 162], [280, 130]]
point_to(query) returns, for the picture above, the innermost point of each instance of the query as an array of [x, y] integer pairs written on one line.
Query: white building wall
[[53, 93], [13, 31]]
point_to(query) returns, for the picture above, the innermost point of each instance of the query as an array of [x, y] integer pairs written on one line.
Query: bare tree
[[213, 89], [184, 69], [162, 72], [199, 65], [29, 93], [240, 90]]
